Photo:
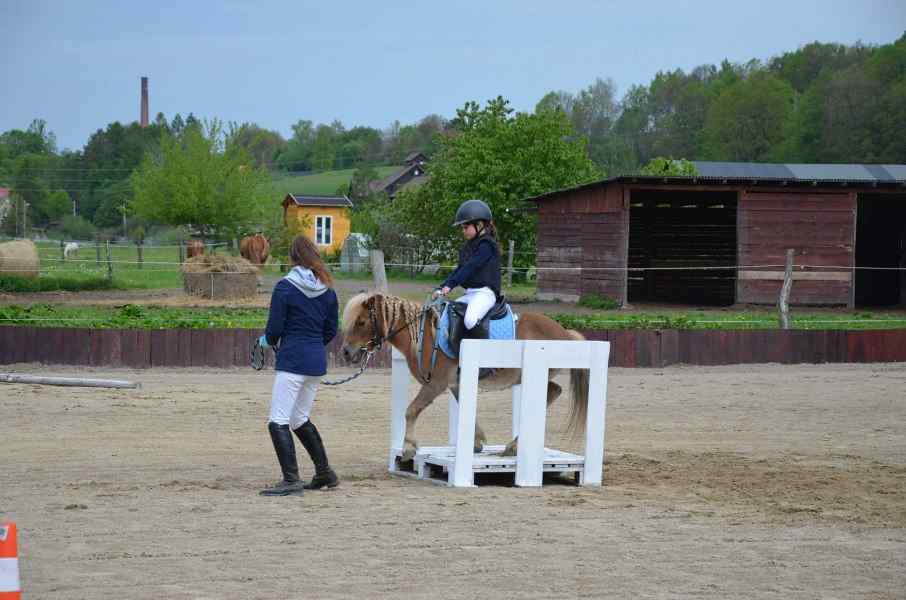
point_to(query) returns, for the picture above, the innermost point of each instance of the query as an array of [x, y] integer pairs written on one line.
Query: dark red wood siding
[[820, 227], [582, 244]]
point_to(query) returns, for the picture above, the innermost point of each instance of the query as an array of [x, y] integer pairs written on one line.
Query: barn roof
[[310, 200], [754, 174]]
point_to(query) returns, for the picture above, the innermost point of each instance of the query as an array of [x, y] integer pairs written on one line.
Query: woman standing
[[302, 321]]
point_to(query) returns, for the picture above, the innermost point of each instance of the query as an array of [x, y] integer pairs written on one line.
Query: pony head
[[359, 325]]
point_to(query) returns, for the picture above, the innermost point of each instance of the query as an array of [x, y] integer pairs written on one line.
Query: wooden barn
[[721, 237]]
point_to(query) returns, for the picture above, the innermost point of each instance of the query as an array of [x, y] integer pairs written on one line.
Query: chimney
[[144, 118]]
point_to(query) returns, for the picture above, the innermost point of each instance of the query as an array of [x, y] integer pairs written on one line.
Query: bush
[[598, 302], [76, 227], [10, 283]]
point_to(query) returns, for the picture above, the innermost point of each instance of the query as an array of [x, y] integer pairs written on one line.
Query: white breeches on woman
[[292, 398], [480, 301]]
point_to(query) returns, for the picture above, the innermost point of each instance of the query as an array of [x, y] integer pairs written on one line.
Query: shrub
[[598, 302], [76, 227]]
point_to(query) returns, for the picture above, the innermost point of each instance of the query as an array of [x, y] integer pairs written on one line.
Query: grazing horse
[[71, 250], [370, 319], [254, 248]]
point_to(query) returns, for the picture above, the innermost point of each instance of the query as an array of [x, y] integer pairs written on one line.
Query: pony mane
[[393, 310]]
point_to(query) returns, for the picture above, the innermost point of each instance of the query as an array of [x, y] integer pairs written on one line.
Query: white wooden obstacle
[[535, 358]]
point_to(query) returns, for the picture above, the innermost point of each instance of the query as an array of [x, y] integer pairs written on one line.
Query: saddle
[[456, 329]]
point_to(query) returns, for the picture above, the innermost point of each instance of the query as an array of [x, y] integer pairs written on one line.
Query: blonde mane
[[393, 312]]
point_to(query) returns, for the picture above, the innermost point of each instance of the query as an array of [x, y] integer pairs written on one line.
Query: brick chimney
[[144, 117]]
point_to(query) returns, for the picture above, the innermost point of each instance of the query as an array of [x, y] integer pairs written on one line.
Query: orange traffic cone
[[9, 563]]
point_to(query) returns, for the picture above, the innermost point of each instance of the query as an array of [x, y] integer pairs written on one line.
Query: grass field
[[319, 184]]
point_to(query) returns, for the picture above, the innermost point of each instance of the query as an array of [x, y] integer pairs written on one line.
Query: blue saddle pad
[[501, 329]]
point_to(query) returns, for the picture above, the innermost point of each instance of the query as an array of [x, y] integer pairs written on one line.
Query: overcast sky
[[77, 64]]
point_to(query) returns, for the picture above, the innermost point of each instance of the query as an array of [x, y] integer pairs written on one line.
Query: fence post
[[509, 263], [97, 250], [138, 249], [377, 271], [62, 250], [182, 252], [109, 263], [783, 301]]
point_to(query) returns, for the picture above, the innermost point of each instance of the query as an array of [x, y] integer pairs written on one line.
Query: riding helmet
[[472, 210]]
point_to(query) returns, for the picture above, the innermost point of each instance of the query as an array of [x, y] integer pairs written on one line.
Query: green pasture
[[319, 184]]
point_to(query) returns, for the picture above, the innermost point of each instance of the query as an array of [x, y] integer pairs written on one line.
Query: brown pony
[[371, 319]]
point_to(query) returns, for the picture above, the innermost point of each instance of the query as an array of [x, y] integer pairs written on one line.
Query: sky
[[78, 65]]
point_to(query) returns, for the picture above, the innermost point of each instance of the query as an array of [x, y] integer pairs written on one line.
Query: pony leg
[[480, 438], [422, 400], [553, 392]]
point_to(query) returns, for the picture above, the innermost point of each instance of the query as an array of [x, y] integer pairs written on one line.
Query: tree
[[200, 182], [669, 167], [262, 145], [501, 158], [749, 119]]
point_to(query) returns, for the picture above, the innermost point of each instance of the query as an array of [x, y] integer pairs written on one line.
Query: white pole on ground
[[532, 413], [462, 475], [399, 379], [67, 381], [595, 423]]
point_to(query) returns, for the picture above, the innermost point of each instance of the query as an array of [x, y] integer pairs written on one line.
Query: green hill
[[319, 184]]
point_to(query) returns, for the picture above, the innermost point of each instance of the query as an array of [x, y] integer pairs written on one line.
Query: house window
[[323, 230]]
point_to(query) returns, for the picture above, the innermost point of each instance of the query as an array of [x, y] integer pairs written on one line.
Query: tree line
[[820, 103]]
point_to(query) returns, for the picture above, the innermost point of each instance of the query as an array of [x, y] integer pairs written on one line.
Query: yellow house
[[324, 219]]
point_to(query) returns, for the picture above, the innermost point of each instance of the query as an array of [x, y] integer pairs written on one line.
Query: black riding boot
[[286, 456], [311, 439], [481, 331]]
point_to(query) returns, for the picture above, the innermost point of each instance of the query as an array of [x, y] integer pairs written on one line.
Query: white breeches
[[480, 301], [292, 398]]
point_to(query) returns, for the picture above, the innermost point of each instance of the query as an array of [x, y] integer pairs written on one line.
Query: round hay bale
[[219, 277], [19, 258]]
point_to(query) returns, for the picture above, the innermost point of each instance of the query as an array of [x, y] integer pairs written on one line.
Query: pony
[[372, 318]]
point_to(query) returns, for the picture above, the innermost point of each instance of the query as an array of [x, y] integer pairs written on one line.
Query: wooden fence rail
[[146, 348]]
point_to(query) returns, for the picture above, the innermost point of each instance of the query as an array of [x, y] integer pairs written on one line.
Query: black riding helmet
[[472, 210]]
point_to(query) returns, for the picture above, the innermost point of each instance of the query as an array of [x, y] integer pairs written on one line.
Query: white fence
[[535, 358]]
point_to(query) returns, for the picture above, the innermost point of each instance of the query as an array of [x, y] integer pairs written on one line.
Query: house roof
[[310, 200], [789, 174], [412, 156], [383, 184]]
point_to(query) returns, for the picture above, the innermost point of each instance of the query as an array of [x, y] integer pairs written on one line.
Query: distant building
[[412, 174], [720, 237], [327, 218]]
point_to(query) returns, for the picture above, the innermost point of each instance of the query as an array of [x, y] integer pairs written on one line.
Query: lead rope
[[365, 362]]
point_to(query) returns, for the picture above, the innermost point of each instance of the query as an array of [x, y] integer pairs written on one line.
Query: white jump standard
[[532, 460]]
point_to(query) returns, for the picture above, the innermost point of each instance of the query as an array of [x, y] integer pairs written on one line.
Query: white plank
[[532, 413], [399, 378], [596, 415], [462, 475]]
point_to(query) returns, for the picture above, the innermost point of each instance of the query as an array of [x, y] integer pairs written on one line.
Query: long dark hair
[[304, 253], [487, 229]]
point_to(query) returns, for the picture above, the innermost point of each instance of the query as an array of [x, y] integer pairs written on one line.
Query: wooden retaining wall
[[142, 348]]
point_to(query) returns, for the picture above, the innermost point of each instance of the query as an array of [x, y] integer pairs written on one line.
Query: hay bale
[[219, 277], [19, 258]]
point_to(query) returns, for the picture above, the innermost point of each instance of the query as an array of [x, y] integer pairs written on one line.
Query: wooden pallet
[[434, 463]]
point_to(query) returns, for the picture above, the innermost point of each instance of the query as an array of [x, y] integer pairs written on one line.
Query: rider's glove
[[262, 341]]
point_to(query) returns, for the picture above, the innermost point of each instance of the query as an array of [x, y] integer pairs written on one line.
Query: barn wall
[[582, 244], [819, 226]]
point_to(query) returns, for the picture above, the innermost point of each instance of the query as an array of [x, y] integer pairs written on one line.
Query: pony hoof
[[408, 454], [477, 448], [509, 451]]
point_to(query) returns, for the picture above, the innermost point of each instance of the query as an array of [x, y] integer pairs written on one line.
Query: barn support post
[[783, 303]]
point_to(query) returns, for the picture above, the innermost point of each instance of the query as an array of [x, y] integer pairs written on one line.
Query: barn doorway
[[676, 238], [880, 250]]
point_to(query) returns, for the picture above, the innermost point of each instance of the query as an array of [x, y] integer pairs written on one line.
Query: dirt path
[[760, 481]]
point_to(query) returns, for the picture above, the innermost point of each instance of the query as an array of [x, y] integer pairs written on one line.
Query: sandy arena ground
[[727, 482]]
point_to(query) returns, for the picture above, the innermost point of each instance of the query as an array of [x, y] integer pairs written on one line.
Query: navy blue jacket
[[303, 327], [479, 265]]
